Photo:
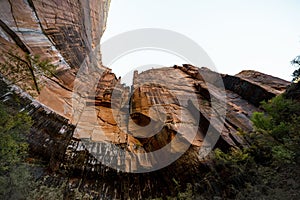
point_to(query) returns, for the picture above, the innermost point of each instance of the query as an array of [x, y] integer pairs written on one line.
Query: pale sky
[[262, 35]]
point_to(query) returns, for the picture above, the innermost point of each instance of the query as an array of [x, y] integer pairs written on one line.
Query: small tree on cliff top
[[296, 74]]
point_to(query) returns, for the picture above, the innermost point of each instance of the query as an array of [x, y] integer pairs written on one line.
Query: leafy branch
[[25, 70], [296, 62]]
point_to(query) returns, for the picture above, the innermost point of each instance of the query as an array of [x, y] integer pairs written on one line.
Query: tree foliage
[[281, 127], [296, 62], [14, 174], [26, 70], [269, 166]]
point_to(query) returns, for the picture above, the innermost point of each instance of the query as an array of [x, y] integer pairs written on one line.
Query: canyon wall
[[83, 154], [62, 32], [118, 125]]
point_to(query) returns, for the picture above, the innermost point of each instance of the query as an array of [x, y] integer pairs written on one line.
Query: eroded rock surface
[[167, 110], [63, 32], [92, 130]]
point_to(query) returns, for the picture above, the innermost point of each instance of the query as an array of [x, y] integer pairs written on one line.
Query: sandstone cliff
[[84, 156], [63, 32], [139, 121]]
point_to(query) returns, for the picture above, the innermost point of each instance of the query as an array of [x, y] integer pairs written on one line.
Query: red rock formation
[[183, 108], [172, 106], [64, 32]]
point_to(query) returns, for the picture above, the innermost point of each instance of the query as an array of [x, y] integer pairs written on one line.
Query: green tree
[[15, 178], [296, 62], [280, 128]]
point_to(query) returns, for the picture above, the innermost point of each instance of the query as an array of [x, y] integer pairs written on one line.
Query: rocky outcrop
[[62, 31], [255, 86]]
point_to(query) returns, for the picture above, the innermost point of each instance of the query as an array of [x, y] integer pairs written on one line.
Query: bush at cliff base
[[15, 178]]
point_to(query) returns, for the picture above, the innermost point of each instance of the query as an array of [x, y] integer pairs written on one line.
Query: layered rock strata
[[63, 32]]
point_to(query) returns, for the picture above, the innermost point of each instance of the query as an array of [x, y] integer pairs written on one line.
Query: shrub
[[15, 178]]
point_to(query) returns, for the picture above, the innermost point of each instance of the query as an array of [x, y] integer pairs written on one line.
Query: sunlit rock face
[[53, 137], [170, 110], [87, 153], [95, 132]]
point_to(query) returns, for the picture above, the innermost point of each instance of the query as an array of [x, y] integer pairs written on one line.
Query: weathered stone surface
[[72, 27], [158, 111], [63, 32], [270, 83], [177, 106]]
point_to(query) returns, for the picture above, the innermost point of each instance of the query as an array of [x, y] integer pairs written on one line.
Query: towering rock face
[[63, 32], [175, 111]]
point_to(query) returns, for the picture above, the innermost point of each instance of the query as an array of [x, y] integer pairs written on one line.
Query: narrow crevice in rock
[[12, 13], [31, 4], [14, 36]]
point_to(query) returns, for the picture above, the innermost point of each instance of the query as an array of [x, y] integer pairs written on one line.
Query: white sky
[[262, 35]]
